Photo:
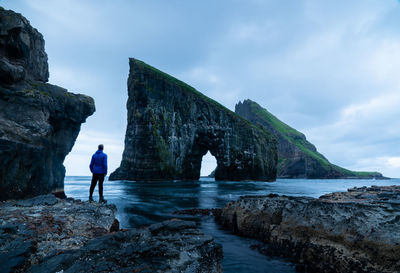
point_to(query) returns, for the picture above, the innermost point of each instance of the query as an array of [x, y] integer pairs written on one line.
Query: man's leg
[[101, 180], [92, 186]]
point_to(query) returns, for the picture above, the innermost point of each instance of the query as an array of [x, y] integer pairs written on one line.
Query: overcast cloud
[[327, 68]]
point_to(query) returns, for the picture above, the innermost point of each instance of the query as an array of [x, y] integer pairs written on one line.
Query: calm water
[[144, 203]]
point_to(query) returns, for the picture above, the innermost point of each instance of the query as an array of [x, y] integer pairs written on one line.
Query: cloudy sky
[[328, 68]]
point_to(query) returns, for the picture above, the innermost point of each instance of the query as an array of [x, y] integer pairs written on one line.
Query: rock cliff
[[297, 157], [354, 231], [171, 126], [39, 122]]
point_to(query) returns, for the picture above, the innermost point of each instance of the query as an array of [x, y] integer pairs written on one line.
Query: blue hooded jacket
[[98, 164]]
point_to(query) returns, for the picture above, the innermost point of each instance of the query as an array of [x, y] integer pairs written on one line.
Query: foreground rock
[[39, 122], [297, 157], [33, 229], [47, 234], [171, 126], [356, 231]]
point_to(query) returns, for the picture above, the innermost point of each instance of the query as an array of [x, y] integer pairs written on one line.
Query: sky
[[330, 69]]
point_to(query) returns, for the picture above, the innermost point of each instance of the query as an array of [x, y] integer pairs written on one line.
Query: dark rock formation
[[32, 229], [46, 234], [297, 157], [21, 50], [171, 126], [39, 122], [354, 231]]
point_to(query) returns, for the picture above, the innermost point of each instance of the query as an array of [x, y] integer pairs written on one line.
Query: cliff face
[[297, 157], [39, 122], [354, 231], [171, 126]]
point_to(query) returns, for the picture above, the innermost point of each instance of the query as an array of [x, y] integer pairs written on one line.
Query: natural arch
[[208, 164], [171, 126]]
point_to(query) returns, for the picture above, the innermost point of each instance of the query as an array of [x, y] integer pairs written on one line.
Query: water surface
[[143, 203]]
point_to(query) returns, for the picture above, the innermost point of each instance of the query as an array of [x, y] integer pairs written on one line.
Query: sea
[[142, 203]]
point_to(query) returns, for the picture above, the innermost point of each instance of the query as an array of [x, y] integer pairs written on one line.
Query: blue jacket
[[98, 164]]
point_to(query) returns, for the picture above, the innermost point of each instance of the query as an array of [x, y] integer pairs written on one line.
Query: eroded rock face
[[21, 50], [39, 122], [356, 231], [47, 234], [297, 157], [171, 126]]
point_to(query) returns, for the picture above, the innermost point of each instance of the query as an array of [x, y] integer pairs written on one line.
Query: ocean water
[[143, 203]]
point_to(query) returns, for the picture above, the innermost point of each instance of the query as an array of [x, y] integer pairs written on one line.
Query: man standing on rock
[[98, 167]]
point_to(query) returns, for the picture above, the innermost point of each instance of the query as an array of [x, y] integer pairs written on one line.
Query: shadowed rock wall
[[171, 126], [39, 122]]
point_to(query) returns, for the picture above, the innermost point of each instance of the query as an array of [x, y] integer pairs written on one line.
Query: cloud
[[77, 162], [327, 68]]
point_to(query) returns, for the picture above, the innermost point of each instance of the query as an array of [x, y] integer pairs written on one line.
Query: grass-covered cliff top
[[298, 139], [289, 133], [185, 87], [191, 90]]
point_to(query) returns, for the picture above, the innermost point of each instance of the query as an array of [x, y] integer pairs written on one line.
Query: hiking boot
[[102, 200], [91, 199]]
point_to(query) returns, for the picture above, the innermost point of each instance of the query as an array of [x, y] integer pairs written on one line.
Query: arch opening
[[208, 164]]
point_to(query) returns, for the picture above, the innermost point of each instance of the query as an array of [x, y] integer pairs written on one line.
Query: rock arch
[[171, 126]]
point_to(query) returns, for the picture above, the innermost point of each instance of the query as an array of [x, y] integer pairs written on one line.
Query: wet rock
[[354, 231], [35, 228], [75, 236], [170, 246], [39, 122], [171, 126], [197, 211]]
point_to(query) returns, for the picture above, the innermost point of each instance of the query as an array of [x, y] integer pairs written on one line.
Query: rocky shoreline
[[48, 234], [353, 231]]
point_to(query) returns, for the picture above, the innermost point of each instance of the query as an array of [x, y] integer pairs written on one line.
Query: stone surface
[[355, 231], [47, 234], [39, 122], [32, 229], [297, 157], [171, 126]]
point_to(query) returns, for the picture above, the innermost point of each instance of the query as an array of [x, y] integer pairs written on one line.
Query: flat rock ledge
[[48, 234], [353, 231]]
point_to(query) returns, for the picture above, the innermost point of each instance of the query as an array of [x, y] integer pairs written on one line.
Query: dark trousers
[[97, 177]]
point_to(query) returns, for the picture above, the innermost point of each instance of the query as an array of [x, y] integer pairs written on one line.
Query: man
[[98, 167]]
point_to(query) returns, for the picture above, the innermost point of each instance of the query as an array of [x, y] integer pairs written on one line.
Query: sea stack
[[39, 122], [171, 126], [297, 157]]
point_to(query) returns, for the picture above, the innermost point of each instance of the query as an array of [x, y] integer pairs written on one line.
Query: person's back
[[98, 167], [99, 162]]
